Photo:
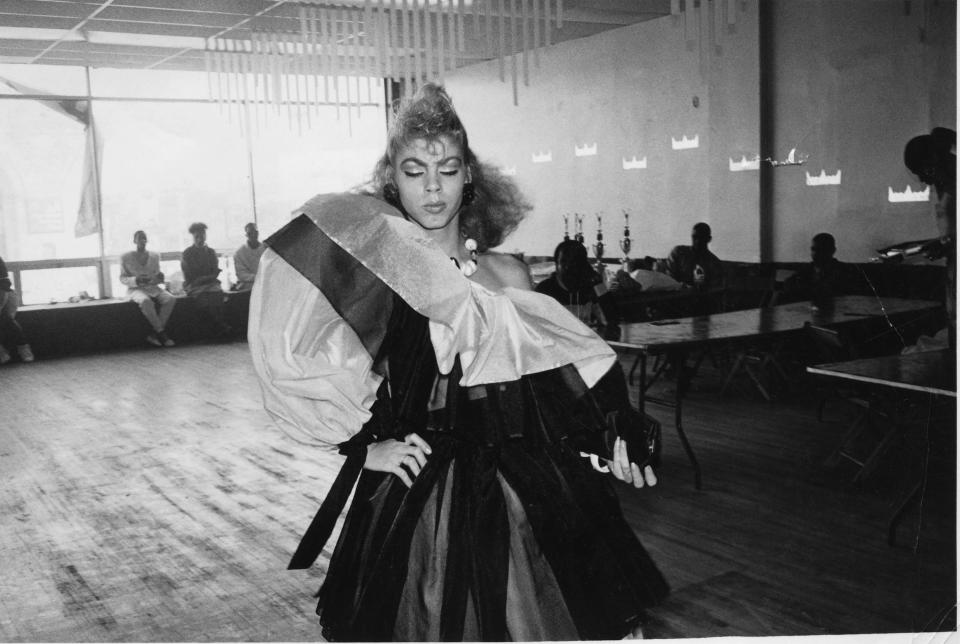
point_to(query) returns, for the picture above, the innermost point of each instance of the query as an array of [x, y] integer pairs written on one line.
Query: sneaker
[[25, 353], [4, 355], [165, 339], [154, 340]]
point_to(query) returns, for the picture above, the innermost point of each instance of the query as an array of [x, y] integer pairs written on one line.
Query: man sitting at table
[[200, 268], [824, 278], [695, 265], [574, 283], [140, 272]]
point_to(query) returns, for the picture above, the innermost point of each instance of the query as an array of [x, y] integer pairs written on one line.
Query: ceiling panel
[[68, 23]]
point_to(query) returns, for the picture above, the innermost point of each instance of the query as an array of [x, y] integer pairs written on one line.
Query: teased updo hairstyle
[[497, 206]]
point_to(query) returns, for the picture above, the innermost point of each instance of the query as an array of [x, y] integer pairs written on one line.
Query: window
[[168, 157], [166, 165], [331, 156], [40, 179]]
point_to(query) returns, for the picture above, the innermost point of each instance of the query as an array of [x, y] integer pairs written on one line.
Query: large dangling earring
[[470, 266], [392, 195], [469, 194]]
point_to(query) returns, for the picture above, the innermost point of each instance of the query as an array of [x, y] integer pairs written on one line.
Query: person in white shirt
[[140, 272], [247, 258]]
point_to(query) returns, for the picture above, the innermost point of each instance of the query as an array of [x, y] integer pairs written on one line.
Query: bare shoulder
[[507, 270]]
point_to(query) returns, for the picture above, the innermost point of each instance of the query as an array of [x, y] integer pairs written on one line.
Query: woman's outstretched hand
[[405, 459], [621, 467]]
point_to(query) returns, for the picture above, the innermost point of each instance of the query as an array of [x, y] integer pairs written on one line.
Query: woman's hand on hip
[[405, 459]]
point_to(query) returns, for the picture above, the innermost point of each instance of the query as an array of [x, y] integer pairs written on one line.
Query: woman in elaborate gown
[[463, 402]]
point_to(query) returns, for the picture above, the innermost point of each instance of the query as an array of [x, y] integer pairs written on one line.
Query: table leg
[[680, 365], [899, 512], [642, 400]]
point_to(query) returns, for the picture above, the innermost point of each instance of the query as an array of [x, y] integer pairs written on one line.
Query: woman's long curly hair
[[497, 208]]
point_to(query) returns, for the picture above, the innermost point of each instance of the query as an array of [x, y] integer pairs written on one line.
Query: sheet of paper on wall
[[745, 164], [823, 179], [585, 150], [685, 143], [908, 196]]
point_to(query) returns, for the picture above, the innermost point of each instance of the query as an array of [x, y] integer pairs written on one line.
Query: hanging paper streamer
[[702, 21], [338, 56]]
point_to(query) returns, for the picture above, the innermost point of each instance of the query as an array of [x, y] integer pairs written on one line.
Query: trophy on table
[[579, 223], [625, 242], [566, 227], [598, 247]]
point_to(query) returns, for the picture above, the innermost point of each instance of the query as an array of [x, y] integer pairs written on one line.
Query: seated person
[[200, 270], [140, 272], [823, 278], [10, 329], [247, 258], [574, 283], [695, 265]]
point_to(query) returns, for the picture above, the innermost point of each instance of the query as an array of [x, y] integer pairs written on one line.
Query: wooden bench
[[104, 325]]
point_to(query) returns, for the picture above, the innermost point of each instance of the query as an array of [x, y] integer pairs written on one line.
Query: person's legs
[[4, 354], [10, 329], [148, 308], [165, 303], [210, 305]]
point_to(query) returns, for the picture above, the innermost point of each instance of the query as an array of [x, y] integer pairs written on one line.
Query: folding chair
[[874, 428]]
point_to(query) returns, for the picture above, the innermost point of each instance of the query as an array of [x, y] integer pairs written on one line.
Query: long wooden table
[[930, 372], [676, 338]]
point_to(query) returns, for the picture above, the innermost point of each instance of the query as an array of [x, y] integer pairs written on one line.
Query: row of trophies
[[599, 247]]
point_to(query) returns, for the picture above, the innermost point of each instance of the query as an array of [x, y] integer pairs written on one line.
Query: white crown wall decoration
[[823, 179], [542, 157], [745, 164], [634, 163], [509, 170], [685, 143], [585, 150], [908, 195]]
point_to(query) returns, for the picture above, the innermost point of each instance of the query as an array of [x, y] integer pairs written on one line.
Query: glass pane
[[40, 177], [47, 79], [166, 165], [326, 155], [51, 285], [148, 83]]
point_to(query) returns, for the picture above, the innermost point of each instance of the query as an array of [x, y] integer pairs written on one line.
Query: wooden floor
[[145, 496]]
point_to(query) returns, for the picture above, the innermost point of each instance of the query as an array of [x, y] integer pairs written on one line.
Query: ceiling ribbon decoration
[[704, 24], [347, 55]]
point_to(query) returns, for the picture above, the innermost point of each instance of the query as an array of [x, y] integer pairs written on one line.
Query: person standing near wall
[[933, 158], [10, 329], [140, 272]]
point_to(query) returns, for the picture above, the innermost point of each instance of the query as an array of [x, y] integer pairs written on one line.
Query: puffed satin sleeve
[[314, 372], [498, 336]]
